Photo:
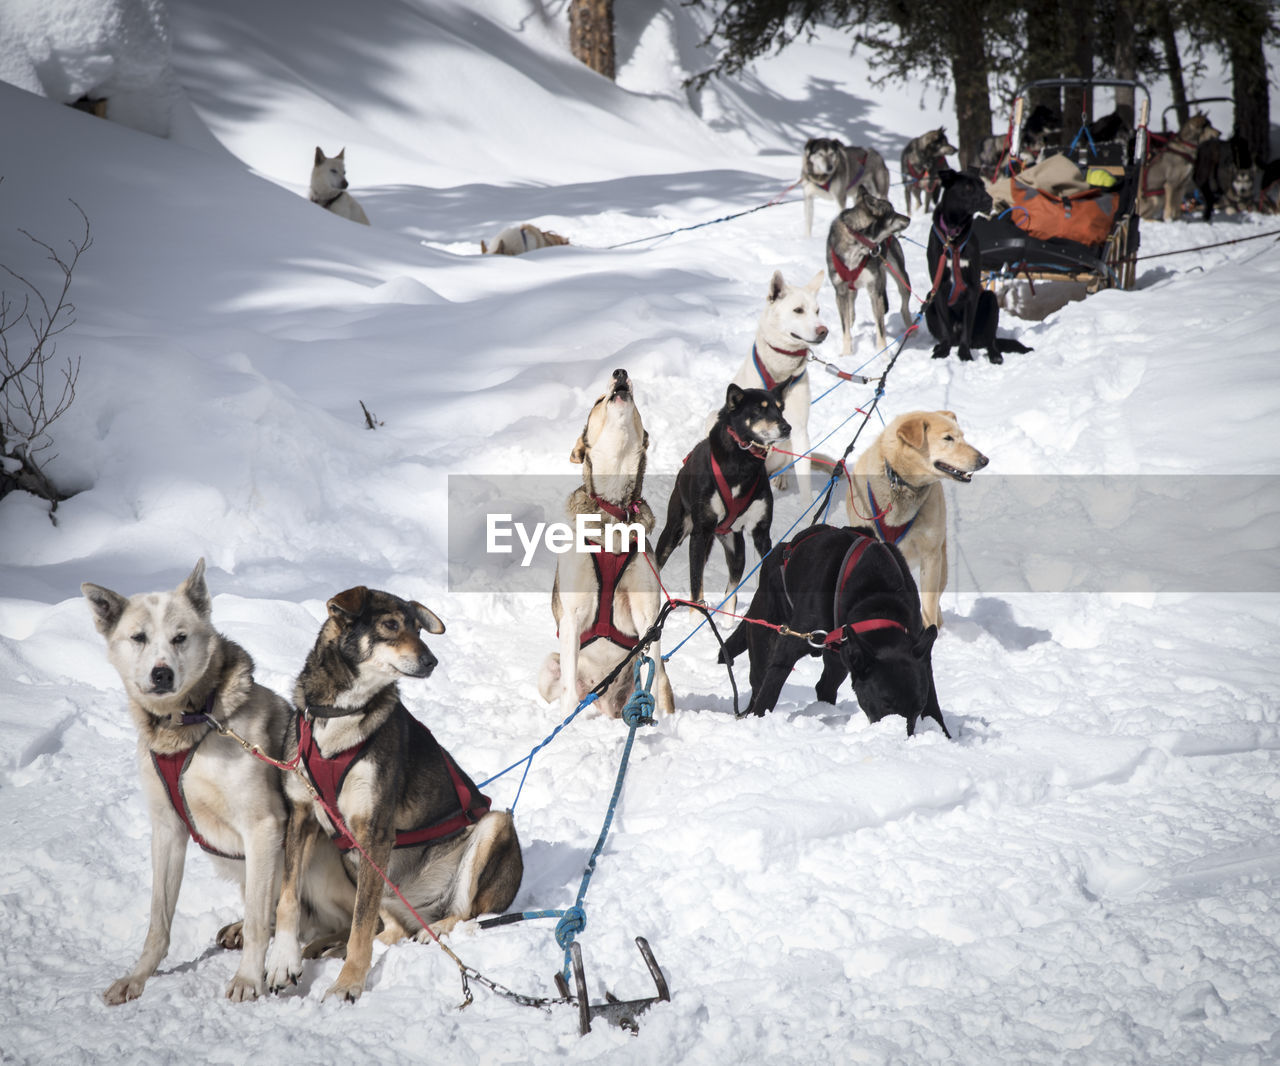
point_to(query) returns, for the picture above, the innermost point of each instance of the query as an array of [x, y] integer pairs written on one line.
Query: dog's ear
[[858, 656], [196, 591], [951, 415], [319, 155], [925, 642], [342, 152], [777, 286], [579, 453], [427, 619], [483, 249], [107, 606], [911, 432], [948, 177], [347, 605], [815, 282], [732, 396]]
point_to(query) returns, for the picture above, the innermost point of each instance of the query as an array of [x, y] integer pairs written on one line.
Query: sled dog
[[861, 251], [516, 240], [897, 490], [723, 488], [404, 804], [199, 785], [789, 326], [829, 168], [922, 158], [959, 311], [604, 601], [855, 599], [1169, 174], [329, 187]]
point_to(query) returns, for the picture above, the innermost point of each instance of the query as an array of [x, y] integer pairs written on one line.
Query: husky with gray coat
[[329, 187], [177, 669], [861, 251], [385, 792], [832, 169]]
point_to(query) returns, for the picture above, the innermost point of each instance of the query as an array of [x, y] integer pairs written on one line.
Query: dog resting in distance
[[516, 240], [198, 784], [604, 601], [852, 598], [404, 804], [897, 490], [329, 187]]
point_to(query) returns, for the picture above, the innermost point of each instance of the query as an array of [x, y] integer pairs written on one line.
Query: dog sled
[[1071, 216]]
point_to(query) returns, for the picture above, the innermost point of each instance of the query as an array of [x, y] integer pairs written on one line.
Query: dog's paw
[[995, 357], [964, 354], [122, 991], [347, 988], [443, 927], [941, 351], [284, 964], [243, 989], [231, 937]]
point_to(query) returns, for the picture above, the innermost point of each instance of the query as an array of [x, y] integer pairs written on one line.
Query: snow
[[1087, 874]]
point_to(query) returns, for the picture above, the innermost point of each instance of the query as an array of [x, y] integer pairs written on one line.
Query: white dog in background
[[329, 187]]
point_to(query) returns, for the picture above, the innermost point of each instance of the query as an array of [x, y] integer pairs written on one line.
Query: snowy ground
[[1088, 874]]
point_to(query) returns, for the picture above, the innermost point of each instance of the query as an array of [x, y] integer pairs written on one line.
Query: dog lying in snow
[[516, 240], [329, 187]]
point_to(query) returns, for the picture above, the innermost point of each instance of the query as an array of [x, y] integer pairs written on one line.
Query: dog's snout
[[822, 333], [784, 427], [427, 663], [982, 460], [620, 376], [162, 678]]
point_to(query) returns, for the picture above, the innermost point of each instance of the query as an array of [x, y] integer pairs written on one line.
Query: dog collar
[[768, 379], [753, 446], [614, 510], [320, 710], [194, 717], [329, 202]]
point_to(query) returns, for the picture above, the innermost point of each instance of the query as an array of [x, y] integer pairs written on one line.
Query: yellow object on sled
[[1103, 179]]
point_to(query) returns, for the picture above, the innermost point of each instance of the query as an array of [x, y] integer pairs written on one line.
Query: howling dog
[[897, 490], [861, 250], [405, 805], [604, 601], [832, 169], [329, 187], [922, 158], [723, 487], [789, 326], [180, 674], [840, 594]]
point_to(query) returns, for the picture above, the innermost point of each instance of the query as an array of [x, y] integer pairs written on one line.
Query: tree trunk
[[1249, 82], [969, 73], [591, 34], [1126, 60], [1164, 25], [1077, 104], [1042, 58]]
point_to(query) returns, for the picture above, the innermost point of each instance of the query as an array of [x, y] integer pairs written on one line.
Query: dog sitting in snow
[[850, 599], [516, 240], [329, 187], [603, 601]]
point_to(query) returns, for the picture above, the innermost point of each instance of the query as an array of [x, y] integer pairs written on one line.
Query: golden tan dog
[[516, 240], [897, 490]]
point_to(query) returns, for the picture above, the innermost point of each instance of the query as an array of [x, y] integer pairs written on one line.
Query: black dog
[[960, 312], [723, 487], [854, 598]]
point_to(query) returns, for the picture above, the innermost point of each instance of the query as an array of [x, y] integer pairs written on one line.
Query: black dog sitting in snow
[[960, 312], [723, 488], [855, 599]]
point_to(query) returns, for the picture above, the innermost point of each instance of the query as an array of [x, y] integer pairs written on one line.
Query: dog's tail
[[1008, 344]]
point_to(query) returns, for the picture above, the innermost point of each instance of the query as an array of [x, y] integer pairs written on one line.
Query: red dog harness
[[734, 506], [328, 775], [950, 257], [171, 768], [610, 567], [888, 533], [767, 379], [861, 544]]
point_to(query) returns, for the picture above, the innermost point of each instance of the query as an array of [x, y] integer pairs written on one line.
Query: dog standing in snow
[[329, 187]]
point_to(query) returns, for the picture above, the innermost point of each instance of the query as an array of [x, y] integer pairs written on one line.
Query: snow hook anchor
[[622, 1013]]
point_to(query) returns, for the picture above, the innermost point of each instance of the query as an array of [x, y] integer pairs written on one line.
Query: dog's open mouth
[[952, 472]]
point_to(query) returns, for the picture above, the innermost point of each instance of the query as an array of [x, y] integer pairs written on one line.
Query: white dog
[[602, 601], [789, 326], [329, 187]]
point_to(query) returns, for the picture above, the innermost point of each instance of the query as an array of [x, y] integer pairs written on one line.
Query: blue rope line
[[589, 699]]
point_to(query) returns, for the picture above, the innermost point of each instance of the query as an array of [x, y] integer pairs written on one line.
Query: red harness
[[888, 533], [734, 506], [610, 567], [861, 544], [327, 774], [766, 378], [950, 257], [171, 768]]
